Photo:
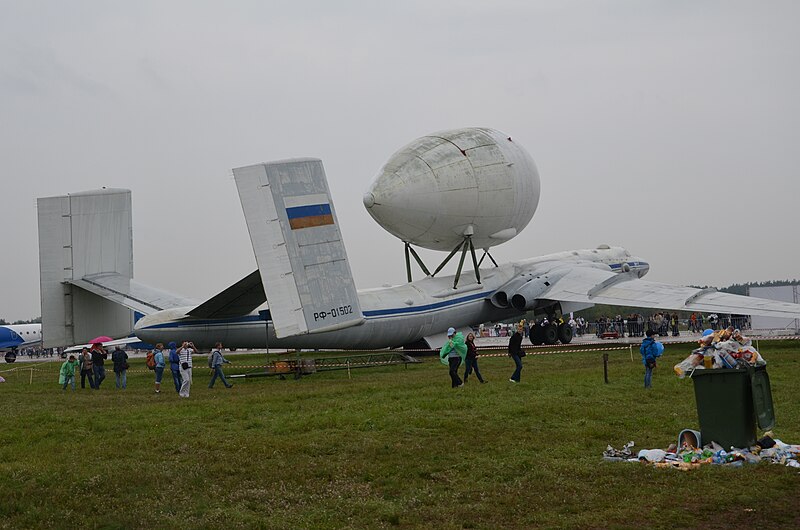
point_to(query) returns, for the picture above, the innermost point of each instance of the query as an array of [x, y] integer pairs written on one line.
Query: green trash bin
[[730, 402]]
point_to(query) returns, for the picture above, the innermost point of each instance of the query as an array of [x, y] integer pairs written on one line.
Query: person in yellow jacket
[[67, 374], [453, 353]]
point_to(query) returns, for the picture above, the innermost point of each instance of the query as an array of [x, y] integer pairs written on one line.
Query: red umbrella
[[101, 339]]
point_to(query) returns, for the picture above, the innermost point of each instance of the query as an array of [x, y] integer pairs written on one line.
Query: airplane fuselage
[[393, 316], [15, 336]]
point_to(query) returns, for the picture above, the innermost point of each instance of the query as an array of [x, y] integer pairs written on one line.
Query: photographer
[[185, 355]]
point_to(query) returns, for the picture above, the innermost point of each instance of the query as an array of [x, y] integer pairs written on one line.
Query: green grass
[[391, 447]]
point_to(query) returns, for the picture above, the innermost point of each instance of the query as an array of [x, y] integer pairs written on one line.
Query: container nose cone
[[369, 200]]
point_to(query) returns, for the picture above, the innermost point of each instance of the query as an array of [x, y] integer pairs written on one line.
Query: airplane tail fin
[[86, 268], [298, 246], [80, 235]]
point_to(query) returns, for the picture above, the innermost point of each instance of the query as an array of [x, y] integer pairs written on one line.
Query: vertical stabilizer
[[80, 235], [298, 246]]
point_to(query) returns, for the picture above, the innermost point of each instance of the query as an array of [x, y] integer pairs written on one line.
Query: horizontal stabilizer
[[239, 299], [129, 293], [298, 246]]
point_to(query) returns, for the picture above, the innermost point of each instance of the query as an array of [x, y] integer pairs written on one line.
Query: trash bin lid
[[762, 399]]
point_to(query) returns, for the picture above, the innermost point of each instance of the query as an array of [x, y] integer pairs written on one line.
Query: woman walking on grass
[[86, 368], [472, 359], [158, 356]]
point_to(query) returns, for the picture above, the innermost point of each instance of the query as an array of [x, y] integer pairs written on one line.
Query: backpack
[[150, 361], [211, 359]]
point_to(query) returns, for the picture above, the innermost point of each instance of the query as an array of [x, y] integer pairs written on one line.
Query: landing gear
[[547, 334], [564, 333], [535, 335], [11, 356], [550, 334], [555, 331]]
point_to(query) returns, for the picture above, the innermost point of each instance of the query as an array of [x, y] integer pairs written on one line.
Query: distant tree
[[3, 322], [37, 320]]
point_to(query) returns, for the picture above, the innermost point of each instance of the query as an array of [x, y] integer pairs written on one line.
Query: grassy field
[[389, 447]]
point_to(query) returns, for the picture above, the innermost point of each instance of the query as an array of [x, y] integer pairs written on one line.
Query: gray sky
[[666, 127]]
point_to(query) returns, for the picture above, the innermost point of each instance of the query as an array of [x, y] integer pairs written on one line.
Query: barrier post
[[605, 367], [30, 382]]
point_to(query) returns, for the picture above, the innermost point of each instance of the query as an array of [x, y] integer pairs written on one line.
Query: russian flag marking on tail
[[308, 210]]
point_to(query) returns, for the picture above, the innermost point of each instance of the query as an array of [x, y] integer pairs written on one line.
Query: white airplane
[[15, 336], [86, 263]]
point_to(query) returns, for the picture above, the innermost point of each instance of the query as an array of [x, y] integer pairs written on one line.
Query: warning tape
[[554, 348]]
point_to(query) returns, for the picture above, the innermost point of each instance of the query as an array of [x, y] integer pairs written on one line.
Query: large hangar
[[782, 293]]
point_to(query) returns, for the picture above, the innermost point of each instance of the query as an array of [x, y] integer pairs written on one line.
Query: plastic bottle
[[726, 359]]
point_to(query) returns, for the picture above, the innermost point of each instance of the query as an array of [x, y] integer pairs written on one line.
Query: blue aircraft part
[[9, 338]]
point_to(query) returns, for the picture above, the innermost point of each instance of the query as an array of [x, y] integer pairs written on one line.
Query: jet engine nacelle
[[522, 292], [526, 297]]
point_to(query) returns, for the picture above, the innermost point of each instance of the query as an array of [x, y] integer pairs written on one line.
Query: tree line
[[37, 320]]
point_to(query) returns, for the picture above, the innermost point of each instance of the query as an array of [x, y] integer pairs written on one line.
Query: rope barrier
[[553, 349]]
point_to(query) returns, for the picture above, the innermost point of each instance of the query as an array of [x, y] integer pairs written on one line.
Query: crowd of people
[[663, 324], [458, 350], [90, 364]]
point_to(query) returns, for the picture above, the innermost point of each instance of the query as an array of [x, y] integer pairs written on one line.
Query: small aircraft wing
[[298, 246], [109, 344], [591, 285]]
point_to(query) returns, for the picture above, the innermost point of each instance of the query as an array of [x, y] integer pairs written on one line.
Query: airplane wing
[[591, 285], [239, 299]]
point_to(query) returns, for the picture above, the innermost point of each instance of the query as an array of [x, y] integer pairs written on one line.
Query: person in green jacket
[[67, 373], [453, 353]]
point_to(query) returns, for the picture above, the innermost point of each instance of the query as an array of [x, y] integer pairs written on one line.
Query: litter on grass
[[687, 456]]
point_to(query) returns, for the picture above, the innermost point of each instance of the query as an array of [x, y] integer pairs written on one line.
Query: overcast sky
[[666, 127]]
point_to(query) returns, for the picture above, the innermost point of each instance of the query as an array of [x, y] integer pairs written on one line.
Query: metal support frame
[[474, 261], [464, 246], [452, 253], [410, 249], [486, 253]]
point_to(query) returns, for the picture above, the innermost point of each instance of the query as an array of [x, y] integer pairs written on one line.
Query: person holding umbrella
[[99, 355]]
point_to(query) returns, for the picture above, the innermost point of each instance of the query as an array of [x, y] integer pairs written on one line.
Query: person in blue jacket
[[158, 356], [175, 365], [650, 349]]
